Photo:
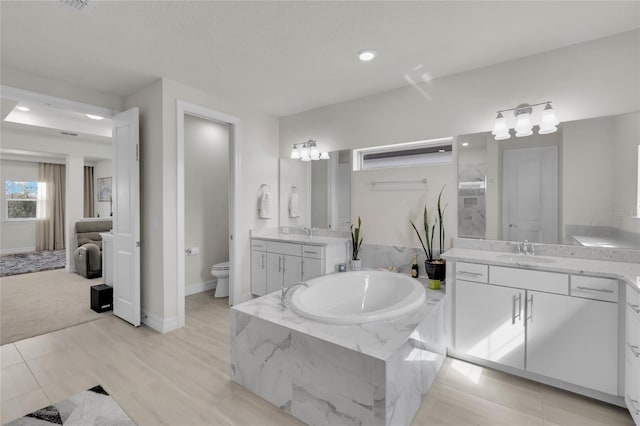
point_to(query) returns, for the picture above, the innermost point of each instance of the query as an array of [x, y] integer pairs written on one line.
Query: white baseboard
[[17, 250], [159, 324], [200, 287]]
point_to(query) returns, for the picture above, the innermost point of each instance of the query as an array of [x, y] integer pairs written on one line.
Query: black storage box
[[101, 298]]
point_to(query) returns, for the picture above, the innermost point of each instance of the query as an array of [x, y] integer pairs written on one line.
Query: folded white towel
[[264, 205], [294, 205]]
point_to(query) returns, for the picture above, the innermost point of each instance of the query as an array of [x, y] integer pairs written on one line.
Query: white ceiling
[[287, 57]]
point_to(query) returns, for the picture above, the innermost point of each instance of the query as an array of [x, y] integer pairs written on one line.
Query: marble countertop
[[628, 272], [296, 238], [608, 242], [377, 339]]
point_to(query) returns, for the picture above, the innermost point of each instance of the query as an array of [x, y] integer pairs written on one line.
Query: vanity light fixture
[[524, 126], [307, 151], [366, 55]]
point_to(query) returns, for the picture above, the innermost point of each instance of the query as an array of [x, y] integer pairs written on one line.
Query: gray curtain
[[50, 207], [89, 210]]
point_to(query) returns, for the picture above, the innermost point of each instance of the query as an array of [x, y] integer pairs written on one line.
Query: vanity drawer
[[472, 272], [548, 282], [259, 245], [314, 252], [594, 288], [292, 249], [633, 301]]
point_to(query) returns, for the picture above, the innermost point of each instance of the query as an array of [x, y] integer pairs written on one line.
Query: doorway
[[230, 126], [530, 194]]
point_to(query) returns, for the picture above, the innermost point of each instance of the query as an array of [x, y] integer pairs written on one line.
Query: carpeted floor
[[33, 261], [34, 304], [91, 407]]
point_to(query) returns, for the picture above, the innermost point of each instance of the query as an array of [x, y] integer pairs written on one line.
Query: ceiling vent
[[82, 5]]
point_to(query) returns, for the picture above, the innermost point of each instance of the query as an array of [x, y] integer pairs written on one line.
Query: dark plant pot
[[436, 269]]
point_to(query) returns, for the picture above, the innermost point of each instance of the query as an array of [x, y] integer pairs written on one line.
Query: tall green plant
[[356, 240], [430, 229]]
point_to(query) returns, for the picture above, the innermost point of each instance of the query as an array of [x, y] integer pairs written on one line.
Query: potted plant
[[435, 267], [356, 244]]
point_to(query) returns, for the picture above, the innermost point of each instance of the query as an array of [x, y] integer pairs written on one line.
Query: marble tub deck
[[325, 374]]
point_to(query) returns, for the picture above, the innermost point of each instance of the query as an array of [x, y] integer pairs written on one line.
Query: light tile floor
[[182, 378]]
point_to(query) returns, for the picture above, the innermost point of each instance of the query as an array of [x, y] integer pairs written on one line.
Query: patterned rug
[[33, 261], [91, 407]]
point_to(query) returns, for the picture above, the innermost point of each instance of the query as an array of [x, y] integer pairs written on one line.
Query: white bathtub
[[358, 297]]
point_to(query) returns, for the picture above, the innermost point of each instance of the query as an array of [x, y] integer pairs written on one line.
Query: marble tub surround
[[323, 374], [627, 272], [554, 250]]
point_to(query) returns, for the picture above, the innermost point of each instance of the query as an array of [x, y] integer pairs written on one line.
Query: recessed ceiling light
[[95, 117], [465, 143], [366, 55], [22, 108]]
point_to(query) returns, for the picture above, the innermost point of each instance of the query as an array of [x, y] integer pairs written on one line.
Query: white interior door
[[530, 195], [126, 217]]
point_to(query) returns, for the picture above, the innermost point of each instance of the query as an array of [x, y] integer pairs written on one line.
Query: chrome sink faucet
[[285, 290], [527, 248]]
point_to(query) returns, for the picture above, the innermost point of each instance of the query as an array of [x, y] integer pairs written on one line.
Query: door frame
[[234, 197]]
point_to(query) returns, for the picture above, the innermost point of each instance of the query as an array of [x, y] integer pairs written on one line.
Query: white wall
[[16, 236], [295, 173], [206, 198], [152, 244], [580, 80], [101, 169], [386, 209]]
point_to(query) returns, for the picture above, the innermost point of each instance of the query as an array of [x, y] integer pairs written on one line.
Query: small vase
[[356, 264]]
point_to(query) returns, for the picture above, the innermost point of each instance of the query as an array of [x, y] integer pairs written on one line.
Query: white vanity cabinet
[[532, 321], [284, 265], [490, 324], [259, 267], [573, 339], [276, 263], [632, 353]]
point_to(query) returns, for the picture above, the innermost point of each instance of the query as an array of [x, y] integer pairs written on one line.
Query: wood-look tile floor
[[182, 378]]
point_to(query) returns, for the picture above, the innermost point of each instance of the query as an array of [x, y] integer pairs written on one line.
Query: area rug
[[91, 407], [33, 261], [38, 303]]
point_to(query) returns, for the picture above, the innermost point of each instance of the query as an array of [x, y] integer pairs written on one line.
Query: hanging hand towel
[[264, 203], [294, 208]]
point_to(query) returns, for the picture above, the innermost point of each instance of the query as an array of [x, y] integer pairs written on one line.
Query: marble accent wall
[[322, 382]]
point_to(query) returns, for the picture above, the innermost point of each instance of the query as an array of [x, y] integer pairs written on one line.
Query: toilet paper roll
[[193, 251]]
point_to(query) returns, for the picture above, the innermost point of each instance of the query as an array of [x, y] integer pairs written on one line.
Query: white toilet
[[221, 272]]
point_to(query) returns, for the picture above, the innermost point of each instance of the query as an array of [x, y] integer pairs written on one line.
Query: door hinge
[[137, 243], [137, 155]]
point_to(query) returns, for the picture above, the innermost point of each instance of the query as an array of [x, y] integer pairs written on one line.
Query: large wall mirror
[[576, 186], [316, 194]]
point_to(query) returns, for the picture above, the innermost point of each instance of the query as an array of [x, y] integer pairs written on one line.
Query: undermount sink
[[522, 258]]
